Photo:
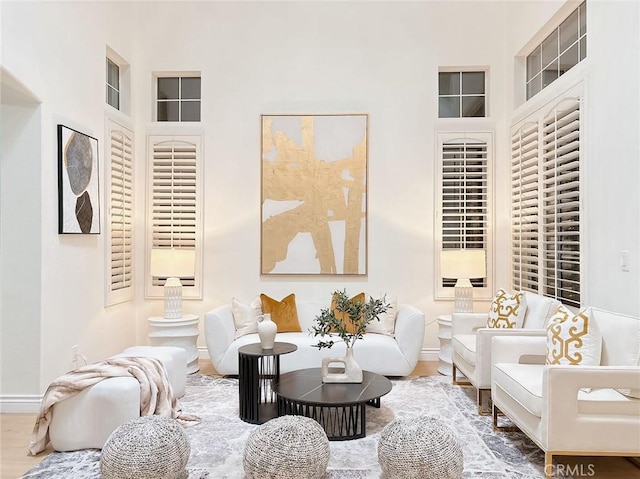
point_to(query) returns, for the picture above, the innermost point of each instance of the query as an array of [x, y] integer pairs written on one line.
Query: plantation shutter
[[524, 207], [561, 202], [174, 204], [464, 199], [120, 215]]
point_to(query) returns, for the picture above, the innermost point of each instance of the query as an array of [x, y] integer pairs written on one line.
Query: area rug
[[217, 443]]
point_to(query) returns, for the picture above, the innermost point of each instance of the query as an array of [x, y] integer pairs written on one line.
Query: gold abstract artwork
[[314, 194]]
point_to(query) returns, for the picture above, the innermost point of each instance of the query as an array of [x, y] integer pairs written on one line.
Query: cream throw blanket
[[156, 394]]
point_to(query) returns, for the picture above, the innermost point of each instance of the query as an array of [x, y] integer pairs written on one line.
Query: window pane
[[569, 59], [569, 31], [549, 75], [168, 89], [550, 49], [191, 88], [190, 110], [449, 107], [583, 19], [168, 111], [449, 83], [113, 74], [472, 83], [534, 86], [534, 63], [583, 48], [472, 106], [113, 98]]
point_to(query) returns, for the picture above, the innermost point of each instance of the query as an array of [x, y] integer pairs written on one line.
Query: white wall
[[610, 220]]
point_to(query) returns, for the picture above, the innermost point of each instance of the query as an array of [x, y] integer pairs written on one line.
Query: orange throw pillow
[[284, 313], [351, 328]]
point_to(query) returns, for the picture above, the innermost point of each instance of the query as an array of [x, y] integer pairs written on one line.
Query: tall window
[[113, 84], [546, 203], [178, 99], [564, 48], [174, 204], [464, 196], [120, 215], [461, 94]]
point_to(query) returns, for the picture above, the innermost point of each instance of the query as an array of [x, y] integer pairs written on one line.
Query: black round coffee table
[[257, 367], [338, 407]]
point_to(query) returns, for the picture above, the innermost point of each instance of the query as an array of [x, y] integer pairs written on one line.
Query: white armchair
[[471, 342], [551, 405]]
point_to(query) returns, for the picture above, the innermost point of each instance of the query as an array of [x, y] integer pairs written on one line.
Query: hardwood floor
[[16, 429]]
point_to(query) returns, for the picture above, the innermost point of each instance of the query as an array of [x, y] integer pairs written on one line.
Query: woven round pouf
[[148, 447], [287, 447], [419, 448]]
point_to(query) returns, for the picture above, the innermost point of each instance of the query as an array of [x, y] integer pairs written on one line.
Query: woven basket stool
[[148, 447], [287, 447], [419, 448]]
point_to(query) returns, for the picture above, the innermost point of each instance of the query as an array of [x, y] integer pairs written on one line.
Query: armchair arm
[[511, 349], [467, 323], [484, 337], [566, 423], [409, 332], [219, 331]]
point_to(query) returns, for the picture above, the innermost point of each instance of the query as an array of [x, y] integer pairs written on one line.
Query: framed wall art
[[78, 183], [314, 194]]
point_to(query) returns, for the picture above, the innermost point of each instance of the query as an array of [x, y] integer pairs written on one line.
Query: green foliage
[[358, 314]]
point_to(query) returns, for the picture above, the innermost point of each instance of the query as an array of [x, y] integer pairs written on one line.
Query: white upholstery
[[551, 403], [471, 339], [87, 419], [379, 353]]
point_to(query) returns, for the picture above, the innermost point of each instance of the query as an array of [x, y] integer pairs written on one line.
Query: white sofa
[[471, 342], [550, 403], [387, 355]]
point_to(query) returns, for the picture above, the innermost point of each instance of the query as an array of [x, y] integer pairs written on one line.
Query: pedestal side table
[[444, 335], [257, 368], [181, 332]]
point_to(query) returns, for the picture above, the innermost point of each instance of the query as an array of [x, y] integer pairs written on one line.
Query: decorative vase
[[267, 330], [352, 372]]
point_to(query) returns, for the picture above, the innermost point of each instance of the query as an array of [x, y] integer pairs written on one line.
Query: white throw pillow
[[387, 323], [245, 316], [573, 339], [507, 310]]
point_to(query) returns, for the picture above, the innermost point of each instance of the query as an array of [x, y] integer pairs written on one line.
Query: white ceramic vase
[[267, 330], [351, 372]]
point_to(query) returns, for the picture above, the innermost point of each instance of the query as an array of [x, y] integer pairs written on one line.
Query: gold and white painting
[[314, 194]]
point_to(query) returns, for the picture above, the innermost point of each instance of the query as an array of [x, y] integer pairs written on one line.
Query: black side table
[[257, 367]]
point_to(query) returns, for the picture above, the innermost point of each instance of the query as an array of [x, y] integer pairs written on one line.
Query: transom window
[[113, 84], [178, 99], [461, 94], [563, 49]]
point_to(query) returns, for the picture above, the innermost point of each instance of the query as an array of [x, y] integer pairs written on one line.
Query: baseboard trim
[[20, 403]]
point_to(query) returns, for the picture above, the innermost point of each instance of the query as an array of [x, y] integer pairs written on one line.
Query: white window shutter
[[561, 202], [174, 216], [120, 215], [524, 207], [464, 202]]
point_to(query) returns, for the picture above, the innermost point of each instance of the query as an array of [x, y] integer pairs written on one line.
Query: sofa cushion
[[507, 310], [344, 317], [523, 382], [386, 322], [573, 339], [245, 316], [465, 346], [539, 310], [284, 313]]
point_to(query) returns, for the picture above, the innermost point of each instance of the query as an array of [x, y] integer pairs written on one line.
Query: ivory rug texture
[[217, 443]]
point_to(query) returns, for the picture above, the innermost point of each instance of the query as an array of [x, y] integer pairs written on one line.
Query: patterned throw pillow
[[245, 316], [507, 310], [573, 339], [284, 313]]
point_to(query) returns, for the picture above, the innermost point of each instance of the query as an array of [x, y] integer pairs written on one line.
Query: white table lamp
[[172, 263], [463, 264]]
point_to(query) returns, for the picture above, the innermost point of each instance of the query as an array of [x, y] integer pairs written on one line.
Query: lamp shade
[[463, 263], [173, 262]]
